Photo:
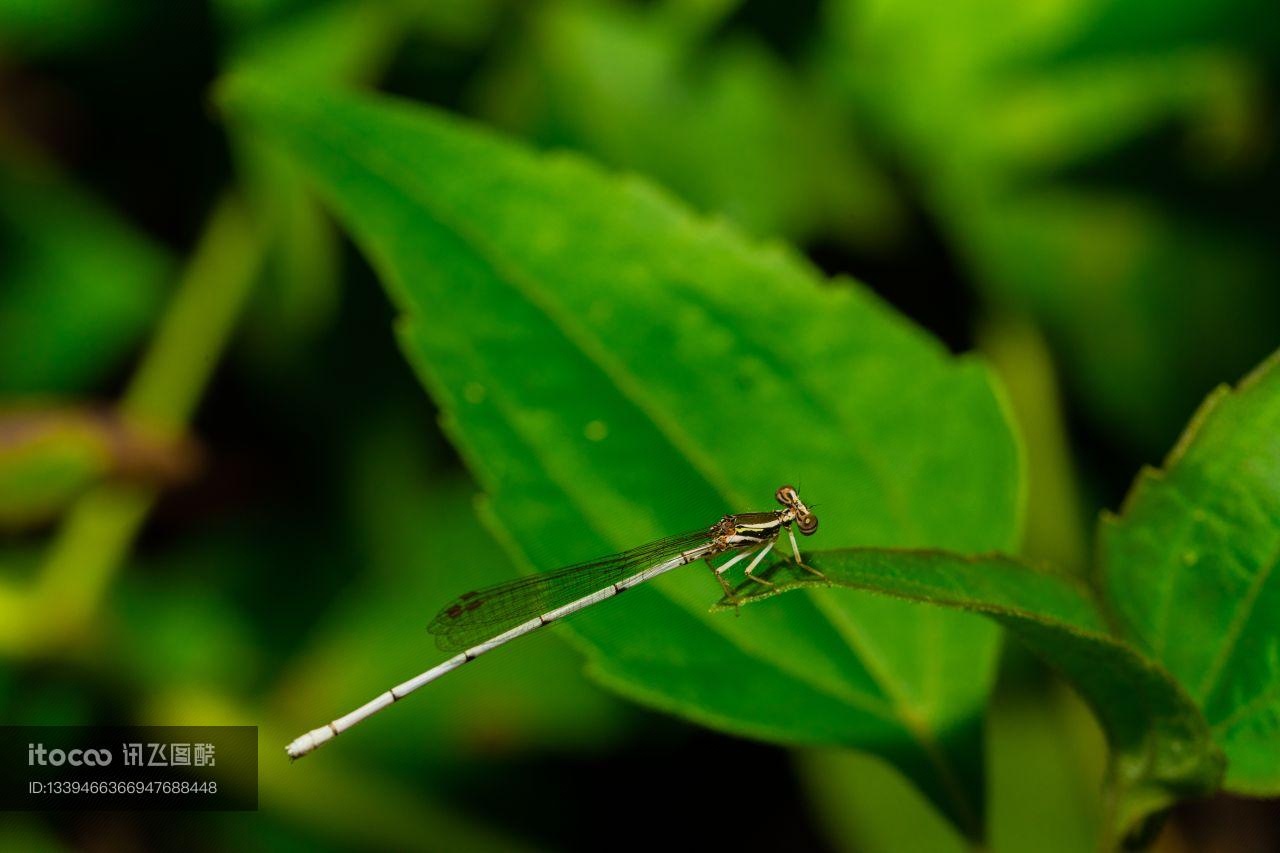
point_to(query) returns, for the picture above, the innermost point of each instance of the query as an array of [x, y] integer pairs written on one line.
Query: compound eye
[[786, 495], [807, 524]]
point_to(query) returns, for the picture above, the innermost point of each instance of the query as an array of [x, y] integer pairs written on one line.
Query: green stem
[[99, 530]]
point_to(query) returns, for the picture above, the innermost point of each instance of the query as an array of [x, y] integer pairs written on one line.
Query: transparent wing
[[477, 616]]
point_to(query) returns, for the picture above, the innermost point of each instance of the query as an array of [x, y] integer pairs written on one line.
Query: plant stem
[[101, 526]]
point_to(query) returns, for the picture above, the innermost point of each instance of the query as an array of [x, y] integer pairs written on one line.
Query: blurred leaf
[[50, 455], [1148, 297], [615, 370], [1142, 310], [350, 42], [173, 631], [1161, 746], [1129, 26], [81, 286], [301, 272], [345, 41], [729, 127], [1190, 567], [49, 27]]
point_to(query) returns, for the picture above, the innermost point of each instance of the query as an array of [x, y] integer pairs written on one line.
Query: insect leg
[[795, 549], [760, 556]]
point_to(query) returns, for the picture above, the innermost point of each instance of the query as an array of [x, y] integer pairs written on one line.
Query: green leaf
[[614, 369], [1190, 568], [1161, 745]]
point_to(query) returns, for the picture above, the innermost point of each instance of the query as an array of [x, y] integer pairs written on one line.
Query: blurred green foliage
[[1086, 188], [80, 286], [729, 125]]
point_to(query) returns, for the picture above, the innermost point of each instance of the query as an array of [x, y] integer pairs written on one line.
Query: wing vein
[[479, 615]]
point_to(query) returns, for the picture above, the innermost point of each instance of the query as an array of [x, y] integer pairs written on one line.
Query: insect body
[[479, 621]]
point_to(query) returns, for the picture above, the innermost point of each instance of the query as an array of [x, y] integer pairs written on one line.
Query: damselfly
[[485, 619]]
